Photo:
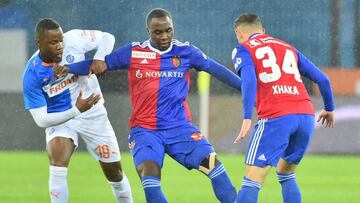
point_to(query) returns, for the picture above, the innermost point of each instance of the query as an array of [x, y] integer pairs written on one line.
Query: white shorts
[[95, 129]]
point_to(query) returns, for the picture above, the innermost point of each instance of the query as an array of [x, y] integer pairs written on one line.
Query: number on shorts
[[104, 151], [289, 65]]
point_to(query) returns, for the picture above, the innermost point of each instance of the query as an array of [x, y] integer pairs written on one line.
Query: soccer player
[[271, 72], [158, 75], [57, 105]]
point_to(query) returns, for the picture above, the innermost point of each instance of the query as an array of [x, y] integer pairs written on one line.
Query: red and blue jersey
[[159, 81], [272, 69]]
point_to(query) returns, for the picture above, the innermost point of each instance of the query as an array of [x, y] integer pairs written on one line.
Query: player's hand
[[326, 118], [98, 67], [59, 71], [86, 104], [246, 125]]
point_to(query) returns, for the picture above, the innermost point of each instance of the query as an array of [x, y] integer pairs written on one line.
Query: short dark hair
[[157, 13], [247, 18], [46, 24]]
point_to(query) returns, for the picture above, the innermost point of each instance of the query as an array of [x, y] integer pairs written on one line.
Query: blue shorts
[[285, 137], [185, 144]]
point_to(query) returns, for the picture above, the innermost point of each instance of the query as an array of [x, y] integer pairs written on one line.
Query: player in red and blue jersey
[[159, 77], [271, 72]]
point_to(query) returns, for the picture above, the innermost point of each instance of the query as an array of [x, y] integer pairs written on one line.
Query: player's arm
[[119, 59], [105, 46], [79, 42], [35, 102], [44, 119], [309, 70], [244, 67], [203, 63]]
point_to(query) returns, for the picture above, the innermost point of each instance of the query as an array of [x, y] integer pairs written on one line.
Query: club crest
[[176, 61]]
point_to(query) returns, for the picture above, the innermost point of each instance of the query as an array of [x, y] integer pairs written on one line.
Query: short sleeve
[[32, 93]]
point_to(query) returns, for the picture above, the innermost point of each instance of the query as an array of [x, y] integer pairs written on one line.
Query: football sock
[[249, 191], [152, 189], [122, 190], [290, 189], [58, 186], [223, 188]]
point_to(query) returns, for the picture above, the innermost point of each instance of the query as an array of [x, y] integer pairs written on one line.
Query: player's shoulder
[[140, 44], [181, 44], [238, 50], [34, 67]]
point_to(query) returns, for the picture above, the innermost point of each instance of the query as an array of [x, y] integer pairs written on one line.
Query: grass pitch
[[24, 178]]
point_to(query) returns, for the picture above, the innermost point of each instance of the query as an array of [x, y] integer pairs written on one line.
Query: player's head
[[246, 25], [160, 28], [49, 40]]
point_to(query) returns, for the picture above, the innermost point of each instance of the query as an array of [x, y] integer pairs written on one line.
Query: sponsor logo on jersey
[[285, 89], [233, 53], [58, 86], [159, 74], [143, 54], [198, 136], [70, 58], [237, 63], [176, 61]]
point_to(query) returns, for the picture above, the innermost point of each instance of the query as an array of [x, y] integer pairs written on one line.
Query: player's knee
[[149, 168], [209, 163], [112, 171]]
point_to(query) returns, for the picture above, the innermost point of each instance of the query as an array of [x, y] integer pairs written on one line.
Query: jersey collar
[[158, 51], [254, 35]]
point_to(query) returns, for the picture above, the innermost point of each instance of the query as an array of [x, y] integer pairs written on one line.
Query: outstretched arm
[[221, 73], [119, 59]]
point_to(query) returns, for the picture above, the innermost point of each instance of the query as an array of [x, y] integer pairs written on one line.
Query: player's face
[[161, 32], [51, 45]]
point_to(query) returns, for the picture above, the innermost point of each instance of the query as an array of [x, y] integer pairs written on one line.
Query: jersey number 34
[[289, 65]]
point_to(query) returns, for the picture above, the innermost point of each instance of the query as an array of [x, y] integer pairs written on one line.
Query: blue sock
[[223, 188], [152, 189], [249, 191], [290, 189]]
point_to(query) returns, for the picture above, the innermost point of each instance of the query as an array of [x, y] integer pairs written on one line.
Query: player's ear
[[147, 30], [263, 31], [37, 42]]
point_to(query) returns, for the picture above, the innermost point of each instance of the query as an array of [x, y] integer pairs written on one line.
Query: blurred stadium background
[[327, 31]]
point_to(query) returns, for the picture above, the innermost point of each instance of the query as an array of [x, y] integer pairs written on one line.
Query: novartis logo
[[159, 74]]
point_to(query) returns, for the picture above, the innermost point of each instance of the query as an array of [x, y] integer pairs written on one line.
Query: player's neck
[[46, 59]]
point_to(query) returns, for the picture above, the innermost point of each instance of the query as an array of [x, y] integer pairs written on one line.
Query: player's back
[[280, 88]]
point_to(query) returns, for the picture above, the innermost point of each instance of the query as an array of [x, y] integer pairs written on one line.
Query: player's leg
[[221, 183], [267, 144], [147, 150], [192, 150], [101, 142], [61, 143], [286, 168], [251, 185], [287, 178], [118, 181]]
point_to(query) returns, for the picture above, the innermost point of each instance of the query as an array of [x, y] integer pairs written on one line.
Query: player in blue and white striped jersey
[[57, 105]]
